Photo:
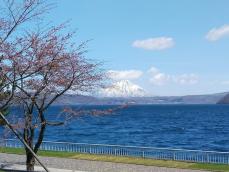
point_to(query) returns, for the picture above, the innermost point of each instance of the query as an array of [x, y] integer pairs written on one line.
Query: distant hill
[[224, 100], [70, 99]]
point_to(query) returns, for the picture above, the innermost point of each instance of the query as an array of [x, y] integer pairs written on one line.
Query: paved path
[[21, 168], [86, 166]]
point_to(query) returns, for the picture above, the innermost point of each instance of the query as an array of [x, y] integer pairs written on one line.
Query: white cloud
[[124, 74], [217, 33], [159, 43], [159, 78], [186, 79], [153, 71]]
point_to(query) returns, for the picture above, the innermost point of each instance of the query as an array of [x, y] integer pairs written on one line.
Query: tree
[[14, 14], [55, 66], [39, 67]]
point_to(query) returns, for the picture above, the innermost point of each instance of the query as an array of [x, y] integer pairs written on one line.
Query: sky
[[166, 47]]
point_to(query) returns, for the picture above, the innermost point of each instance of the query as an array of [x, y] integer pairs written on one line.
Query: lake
[[202, 127]]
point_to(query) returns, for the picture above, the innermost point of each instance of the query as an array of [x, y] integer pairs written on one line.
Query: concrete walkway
[[73, 165], [17, 167]]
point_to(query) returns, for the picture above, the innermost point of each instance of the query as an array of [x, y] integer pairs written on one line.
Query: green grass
[[127, 160]]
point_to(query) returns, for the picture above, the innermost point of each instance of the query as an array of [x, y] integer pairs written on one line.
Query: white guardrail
[[130, 151]]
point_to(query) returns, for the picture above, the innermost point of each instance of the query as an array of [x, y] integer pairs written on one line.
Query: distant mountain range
[[224, 100], [71, 99]]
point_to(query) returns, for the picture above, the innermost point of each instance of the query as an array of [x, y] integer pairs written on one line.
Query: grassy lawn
[[128, 160]]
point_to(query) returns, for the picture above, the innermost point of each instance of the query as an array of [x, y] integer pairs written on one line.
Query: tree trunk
[[30, 161], [28, 136]]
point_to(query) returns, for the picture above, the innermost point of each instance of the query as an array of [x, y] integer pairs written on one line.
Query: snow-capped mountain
[[123, 88]]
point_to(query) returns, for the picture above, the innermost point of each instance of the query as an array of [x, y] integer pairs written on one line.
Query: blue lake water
[[204, 127]]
